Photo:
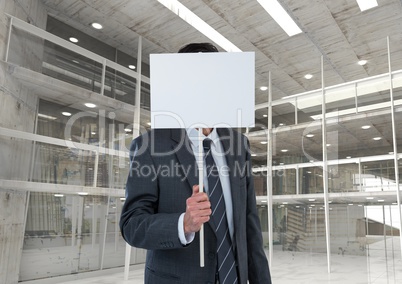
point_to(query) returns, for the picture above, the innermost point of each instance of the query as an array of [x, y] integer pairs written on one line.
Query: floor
[[288, 267]]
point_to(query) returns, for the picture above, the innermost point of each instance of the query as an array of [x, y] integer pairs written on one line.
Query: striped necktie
[[226, 261]]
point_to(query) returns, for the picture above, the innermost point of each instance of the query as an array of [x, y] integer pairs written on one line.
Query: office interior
[[325, 147]]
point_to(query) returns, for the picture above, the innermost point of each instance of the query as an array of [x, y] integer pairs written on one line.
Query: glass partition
[[260, 183], [363, 135], [311, 180], [84, 71], [67, 234], [367, 234], [299, 231], [343, 178], [119, 86], [378, 175], [20, 42], [297, 145], [258, 149], [398, 121], [145, 96], [62, 165], [284, 181], [84, 126], [65, 65]]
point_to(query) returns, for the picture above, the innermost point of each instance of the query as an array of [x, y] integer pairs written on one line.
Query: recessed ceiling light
[[127, 129], [276, 11], [360, 205], [66, 113], [76, 62], [390, 153], [263, 88], [328, 145], [377, 138], [281, 124], [281, 164], [97, 26], [308, 172], [284, 150], [263, 142], [253, 155], [265, 115], [58, 195], [90, 105], [367, 4], [369, 198], [131, 66], [82, 193], [380, 200], [362, 62], [73, 39], [348, 157], [308, 76], [310, 135], [93, 132], [350, 204], [311, 199], [148, 123], [366, 126], [264, 201]]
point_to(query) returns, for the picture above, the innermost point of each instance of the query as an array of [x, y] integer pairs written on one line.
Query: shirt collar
[[192, 134]]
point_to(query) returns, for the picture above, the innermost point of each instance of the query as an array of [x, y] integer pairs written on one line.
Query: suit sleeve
[[141, 224], [258, 269]]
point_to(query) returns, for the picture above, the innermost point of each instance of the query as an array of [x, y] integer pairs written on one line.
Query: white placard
[[202, 90]]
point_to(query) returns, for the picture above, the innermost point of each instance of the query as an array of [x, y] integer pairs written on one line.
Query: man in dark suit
[[164, 209]]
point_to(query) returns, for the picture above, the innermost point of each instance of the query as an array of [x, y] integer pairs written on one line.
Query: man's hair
[[198, 47]]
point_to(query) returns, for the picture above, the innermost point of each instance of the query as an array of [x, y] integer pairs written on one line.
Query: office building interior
[[326, 146]]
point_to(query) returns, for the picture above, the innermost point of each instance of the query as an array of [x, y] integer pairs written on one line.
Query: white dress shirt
[[218, 154]]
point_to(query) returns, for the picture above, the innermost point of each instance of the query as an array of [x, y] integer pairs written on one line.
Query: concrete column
[[12, 227], [17, 111]]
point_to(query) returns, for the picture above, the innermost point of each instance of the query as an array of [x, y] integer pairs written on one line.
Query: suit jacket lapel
[[184, 154]]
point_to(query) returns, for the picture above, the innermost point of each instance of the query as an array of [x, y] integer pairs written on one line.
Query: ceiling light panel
[[366, 4], [276, 11], [195, 21]]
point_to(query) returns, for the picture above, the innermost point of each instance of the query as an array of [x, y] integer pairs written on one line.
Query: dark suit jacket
[[163, 171]]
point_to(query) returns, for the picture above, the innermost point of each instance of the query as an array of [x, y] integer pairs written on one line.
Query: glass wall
[[72, 221], [359, 160], [69, 233], [298, 228], [82, 70]]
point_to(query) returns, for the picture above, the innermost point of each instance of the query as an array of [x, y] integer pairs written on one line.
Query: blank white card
[[202, 90]]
